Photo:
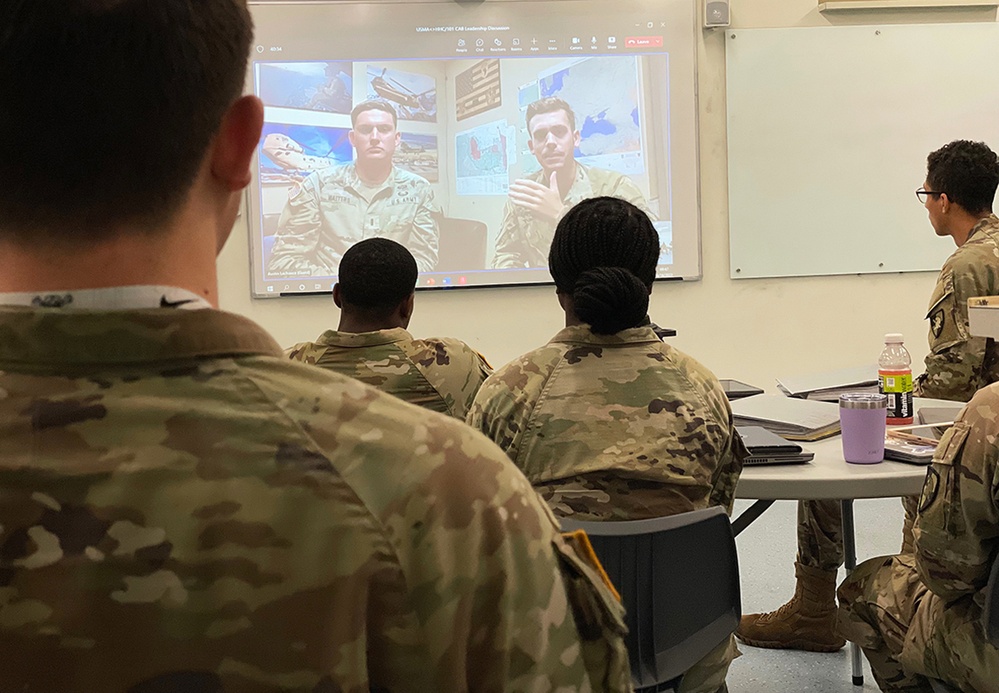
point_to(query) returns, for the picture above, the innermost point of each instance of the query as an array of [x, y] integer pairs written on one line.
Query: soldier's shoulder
[[449, 345], [533, 367], [983, 408], [307, 352], [980, 252], [606, 176], [362, 431], [700, 376]]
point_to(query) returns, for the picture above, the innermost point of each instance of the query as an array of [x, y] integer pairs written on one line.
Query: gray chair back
[[678, 577]]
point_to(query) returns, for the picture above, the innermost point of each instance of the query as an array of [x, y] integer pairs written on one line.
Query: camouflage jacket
[[959, 364], [524, 240], [326, 214], [437, 374], [184, 509], [957, 535], [614, 427]]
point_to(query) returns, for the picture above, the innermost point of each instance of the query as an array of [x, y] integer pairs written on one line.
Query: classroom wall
[[751, 329]]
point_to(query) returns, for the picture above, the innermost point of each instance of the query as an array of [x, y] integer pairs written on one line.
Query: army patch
[[295, 191], [931, 486], [937, 323]]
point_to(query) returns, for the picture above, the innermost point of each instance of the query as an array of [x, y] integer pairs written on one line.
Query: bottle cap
[[893, 338]]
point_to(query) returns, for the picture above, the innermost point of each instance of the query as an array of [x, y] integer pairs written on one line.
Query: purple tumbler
[[862, 420]]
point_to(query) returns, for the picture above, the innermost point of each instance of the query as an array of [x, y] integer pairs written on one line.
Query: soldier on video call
[[538, 202], [334, 208]]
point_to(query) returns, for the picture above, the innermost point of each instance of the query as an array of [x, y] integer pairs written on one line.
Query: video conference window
[[464, 142]]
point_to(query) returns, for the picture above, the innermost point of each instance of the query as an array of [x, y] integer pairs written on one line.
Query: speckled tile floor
[[766, 558]]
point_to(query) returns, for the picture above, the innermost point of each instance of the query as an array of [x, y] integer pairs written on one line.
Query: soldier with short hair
[[334, 208], [606, 420], [536, 203], [182, 508], [376, 293], [960, 187]]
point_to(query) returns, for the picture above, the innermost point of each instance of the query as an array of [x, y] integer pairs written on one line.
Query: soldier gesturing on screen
[[537, 203]]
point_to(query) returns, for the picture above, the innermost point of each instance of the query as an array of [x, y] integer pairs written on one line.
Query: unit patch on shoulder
[[937, 322]]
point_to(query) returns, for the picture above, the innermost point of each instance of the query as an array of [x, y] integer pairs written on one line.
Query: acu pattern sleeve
[[954, 368], [628, 191], [426, 232], [452, 368], [503, 406], [731, 450], [299, 230], [511, 241], [957, 529], [483, 594]]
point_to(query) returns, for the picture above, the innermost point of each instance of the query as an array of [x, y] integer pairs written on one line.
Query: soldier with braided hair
[[606, 420]]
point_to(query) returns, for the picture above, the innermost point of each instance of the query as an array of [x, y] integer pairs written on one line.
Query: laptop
[[766, 447]]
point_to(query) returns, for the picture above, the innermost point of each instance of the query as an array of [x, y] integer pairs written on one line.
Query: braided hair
[[604, 256]]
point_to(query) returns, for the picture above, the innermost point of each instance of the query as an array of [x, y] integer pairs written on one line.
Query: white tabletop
[[829, 476]]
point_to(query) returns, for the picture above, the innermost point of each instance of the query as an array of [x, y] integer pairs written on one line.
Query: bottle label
[[897, 386]]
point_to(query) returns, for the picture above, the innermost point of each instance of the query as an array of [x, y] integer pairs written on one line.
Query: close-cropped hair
[[108, 107], [550, 104], [374, 105], [604, 255], [968, 172], [376, 275]]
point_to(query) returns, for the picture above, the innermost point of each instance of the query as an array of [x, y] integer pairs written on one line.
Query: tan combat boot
[[807, 622]]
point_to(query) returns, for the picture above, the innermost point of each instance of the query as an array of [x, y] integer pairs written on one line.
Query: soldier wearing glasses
[[917, 615], [960, 186], [958, 194]]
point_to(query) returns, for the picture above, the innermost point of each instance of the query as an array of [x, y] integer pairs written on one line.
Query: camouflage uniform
[[326, 214], [920, 615], [438, 374], [957, 365], [618, 427], [184, 509], [524, 240]]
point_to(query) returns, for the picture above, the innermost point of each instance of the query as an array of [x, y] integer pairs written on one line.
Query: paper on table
[[828, 385], [798, 419]]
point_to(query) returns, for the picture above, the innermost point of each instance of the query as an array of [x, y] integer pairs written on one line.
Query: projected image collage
[[469, 163]]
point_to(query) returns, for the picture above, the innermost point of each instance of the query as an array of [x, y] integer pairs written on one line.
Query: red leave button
[[643, 42]]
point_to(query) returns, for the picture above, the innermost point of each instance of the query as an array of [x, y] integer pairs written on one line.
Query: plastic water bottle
[[895, 379]]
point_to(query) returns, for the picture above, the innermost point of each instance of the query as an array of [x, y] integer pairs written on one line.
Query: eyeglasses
[[921, 195]]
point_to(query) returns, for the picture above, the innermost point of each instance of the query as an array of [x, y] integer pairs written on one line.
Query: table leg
[[850, 559], [748, 515]]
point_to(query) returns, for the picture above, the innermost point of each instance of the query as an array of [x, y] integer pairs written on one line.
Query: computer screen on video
[[465, 132]]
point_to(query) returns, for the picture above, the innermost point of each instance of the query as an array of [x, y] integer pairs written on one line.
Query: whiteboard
[[828, 132]]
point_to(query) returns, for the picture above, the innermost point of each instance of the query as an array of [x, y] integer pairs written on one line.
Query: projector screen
[[439, 154]]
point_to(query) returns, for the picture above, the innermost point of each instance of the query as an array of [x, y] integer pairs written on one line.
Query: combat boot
[[807, 622]]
